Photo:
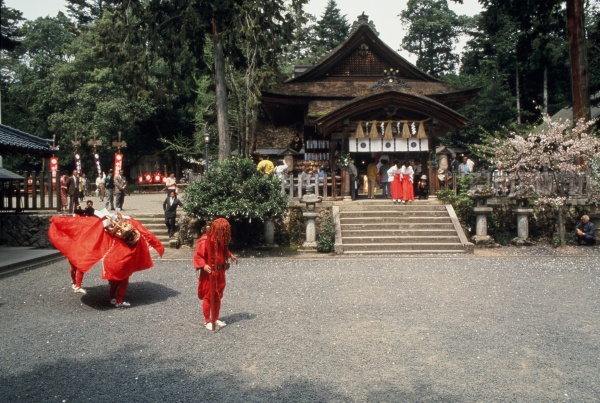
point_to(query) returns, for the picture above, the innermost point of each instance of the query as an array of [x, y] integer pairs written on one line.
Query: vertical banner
[[78, 163], [118, 162], [97, 163], [54, 170]]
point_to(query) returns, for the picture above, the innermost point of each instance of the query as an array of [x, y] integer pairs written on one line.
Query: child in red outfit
[[210, 257]]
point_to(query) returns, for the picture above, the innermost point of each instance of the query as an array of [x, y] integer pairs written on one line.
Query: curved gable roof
[[363, 40], [389, 100]]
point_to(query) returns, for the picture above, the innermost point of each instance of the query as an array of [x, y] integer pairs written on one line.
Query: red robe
[[84, 242], [408, 190], [202, 257], [396, 187]]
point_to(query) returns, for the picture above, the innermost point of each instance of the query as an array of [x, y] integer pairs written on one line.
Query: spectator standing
[[353, 174], [372, 178], [171, 184], [170, 208], [385, 182], [100, 190], [453, 164], [463, 168], [471, 165], [73, 184], [84, 185], [64, 200], [109, 185], [120, 185]]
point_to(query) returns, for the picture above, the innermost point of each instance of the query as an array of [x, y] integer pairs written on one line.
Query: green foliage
[[291, 231], [234, 189], [502, 225], [433, 31], [461, 202], [326, 239], [332, 29]]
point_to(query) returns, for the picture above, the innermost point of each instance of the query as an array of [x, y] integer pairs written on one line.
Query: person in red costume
[[84, 241], [211, 259]]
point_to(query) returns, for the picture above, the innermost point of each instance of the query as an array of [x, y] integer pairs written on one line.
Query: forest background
[[164, 73]]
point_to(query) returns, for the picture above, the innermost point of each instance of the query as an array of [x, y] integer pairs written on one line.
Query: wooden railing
[[576, 183], [327, 186], [34, 192]]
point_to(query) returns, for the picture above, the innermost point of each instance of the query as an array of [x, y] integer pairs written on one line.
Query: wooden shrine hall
[[364, 98]]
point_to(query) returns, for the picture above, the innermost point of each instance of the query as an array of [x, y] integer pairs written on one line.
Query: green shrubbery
[[326, 239], [235, 190], [462, 204]]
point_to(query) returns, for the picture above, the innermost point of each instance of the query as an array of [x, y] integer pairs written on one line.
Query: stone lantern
[[481, 193], [310, 214]]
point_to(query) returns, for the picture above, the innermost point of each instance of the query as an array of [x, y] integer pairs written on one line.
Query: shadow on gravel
[[138, 293], [237, 317], [123, 376]]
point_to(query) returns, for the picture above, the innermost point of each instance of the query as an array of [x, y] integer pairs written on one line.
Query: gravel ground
[[452, 328]]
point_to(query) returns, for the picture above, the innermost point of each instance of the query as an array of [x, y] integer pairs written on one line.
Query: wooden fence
[[36, 191], [576, 183]]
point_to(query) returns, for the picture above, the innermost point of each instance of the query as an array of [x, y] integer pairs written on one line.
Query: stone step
[[400, 233], [398, 247], [382, 206], [401, 252], [387, 225], [156, 224], [392, 213], [353, 240], [425, 221]]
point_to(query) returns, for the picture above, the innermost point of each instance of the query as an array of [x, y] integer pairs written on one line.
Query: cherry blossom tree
[[564, 150]]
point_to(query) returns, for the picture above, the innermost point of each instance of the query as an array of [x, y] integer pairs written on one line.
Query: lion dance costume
[[211, 258], [122, 243]]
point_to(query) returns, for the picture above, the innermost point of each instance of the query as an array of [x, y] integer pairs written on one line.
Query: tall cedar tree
[[332, 29], [433, 31]]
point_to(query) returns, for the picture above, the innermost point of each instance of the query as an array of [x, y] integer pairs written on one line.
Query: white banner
[[367, 145]]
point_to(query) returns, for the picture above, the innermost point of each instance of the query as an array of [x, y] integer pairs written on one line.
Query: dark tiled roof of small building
[[6, 175], [13, 141]]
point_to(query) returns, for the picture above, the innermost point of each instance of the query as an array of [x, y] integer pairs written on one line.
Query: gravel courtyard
[[453, 329]]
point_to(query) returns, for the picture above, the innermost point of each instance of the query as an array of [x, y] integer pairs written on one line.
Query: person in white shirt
[[100, 190], [171, 184]]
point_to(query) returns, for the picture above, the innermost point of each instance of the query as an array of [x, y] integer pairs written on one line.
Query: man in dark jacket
[[109, 185], [73, 190], [585, 232], [170, 209]]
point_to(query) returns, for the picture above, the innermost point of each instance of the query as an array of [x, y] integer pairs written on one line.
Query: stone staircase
[[379, 227], [156, 224]]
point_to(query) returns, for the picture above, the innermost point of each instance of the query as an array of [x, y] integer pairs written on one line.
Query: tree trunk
[[545, 88], [561, 226], [221, 95], [580, 84], [518, 92]]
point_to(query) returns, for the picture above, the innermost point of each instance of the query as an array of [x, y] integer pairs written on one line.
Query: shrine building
[[365, 99]]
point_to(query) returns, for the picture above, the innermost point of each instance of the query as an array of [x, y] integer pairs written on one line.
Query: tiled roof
[[13, 141], [6, 175]]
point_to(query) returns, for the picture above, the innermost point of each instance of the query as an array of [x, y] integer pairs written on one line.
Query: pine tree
[[331, 29], [433, 31]]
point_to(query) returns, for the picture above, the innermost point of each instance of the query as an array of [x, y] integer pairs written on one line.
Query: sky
[[383, 13]]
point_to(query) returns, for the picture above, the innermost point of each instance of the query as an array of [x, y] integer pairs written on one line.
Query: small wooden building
[[364, 98]]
